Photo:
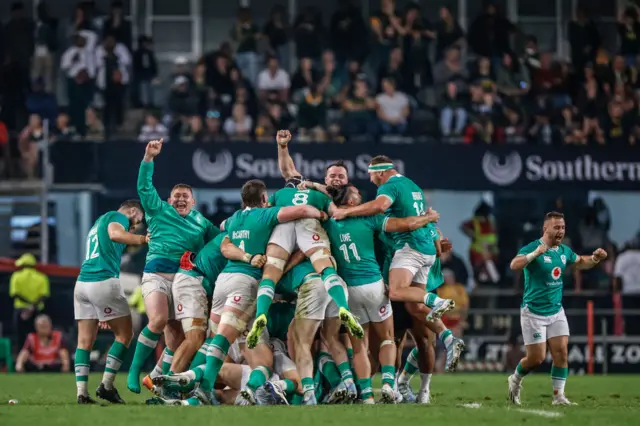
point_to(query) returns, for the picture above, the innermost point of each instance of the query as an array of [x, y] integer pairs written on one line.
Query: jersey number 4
[[92, 247], [345, 252]]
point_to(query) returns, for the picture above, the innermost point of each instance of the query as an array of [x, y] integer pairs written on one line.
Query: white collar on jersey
[[550, 248]]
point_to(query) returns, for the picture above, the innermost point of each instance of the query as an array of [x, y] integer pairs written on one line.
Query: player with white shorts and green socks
[[542, 317], [353, 241], [98, 296]]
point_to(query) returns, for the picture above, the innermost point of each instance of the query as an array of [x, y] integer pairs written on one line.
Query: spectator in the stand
[[490, 33], [308, 33], [213, 128], [512, 77], [483, 74], [312, 115], [20, 32], [6, 160], [349, 38], [153, 129], [95, 128], [449, 33], [46, 46], [392, 109], [483, 251], [514, 124], [274, 118], [305, 76], [193, 132], [454, 289], [41, 102], [219, 78], [82, 24], [28, 145], [273, 80], [626, 272], [78, 64], [118, 26], [629, 33], [531, 56], [333, 81], [584, 39], [359, 112], [44, 351], [617, 128], [245, 32], [182, 104], [245, 97], [14, 85], [543, 131], [145, 71], [416, 38], [453, 115], [112, 64], [182, 68], [64, 131], [570, 126], [449, 261], [393, 68], [277, 31], [387, 29], [29, 289], [450, 69], [619, 72], [239, 125]]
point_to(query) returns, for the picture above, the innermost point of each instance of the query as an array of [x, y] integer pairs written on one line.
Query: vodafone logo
[[107, 310], [179, 307], [383, 309], [556, 272], [315, 237], [236, 299]]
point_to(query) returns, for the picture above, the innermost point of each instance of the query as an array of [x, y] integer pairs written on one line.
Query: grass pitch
[[457, 399]]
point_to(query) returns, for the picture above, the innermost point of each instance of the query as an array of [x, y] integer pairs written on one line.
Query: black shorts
[[402, 320]]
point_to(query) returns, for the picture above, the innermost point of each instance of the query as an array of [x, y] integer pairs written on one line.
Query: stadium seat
[[5, 354]]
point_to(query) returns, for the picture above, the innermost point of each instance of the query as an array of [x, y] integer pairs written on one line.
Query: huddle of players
[[188, 255]]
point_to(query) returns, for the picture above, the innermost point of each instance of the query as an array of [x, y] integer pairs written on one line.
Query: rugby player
[[235, 292], [415, 252], [98, 296], [353, 241], [175, 228], [542, 318], [307, 235]]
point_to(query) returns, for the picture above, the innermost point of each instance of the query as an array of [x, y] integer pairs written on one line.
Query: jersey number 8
[[300, 197]]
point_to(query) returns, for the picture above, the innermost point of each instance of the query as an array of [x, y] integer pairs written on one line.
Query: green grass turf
[[49, 400]]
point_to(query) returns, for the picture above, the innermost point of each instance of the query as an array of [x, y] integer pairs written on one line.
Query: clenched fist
[[153, 148], [283, 137], [258, 261]]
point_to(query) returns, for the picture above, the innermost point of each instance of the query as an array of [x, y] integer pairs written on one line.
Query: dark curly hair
[[339, 194]]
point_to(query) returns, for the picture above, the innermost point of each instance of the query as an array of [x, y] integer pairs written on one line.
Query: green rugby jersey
[[171, 234], [279, 318], [102, 258], [543, 278], [407, 200], [250, 230], [435, 278], [353, 247], [287, 197], [298, 275], [209, 262], [386, 247]]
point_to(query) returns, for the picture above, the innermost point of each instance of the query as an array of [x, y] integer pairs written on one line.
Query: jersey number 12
[[345, 252], [92, 246]]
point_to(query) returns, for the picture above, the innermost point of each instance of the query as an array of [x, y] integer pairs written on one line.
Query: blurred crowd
[[398, 76]]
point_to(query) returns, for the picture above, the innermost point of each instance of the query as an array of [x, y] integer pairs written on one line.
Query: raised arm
[[118, 234], [288, 214], [520, 262], [285, 162], [588, 262], [233, 252], [407, 224], [149, 198]]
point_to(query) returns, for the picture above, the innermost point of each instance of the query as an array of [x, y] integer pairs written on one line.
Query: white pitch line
[[471, 405], [543, 413]]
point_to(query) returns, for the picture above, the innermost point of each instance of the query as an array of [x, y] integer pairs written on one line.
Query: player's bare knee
[[124, 337], [85, 343], [560, 356], [157, 324]]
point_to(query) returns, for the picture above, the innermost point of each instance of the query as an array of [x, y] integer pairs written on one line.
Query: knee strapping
[[321, 255], [213, 327], [277, 263], [230, 319], [189, 324], [386, 342]]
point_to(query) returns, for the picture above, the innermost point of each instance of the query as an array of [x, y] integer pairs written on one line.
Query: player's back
[[353, 246], [287, 197], [102, 258], [250, 230], [407, 200], [210, 261], [293, 279]]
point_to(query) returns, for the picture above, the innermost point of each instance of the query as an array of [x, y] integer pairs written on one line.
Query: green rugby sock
[[329, 369], [388, 375], [558, 379], [431, 299], [201, 356], [366, 390], [114, 361], [410, 367], [81, 364], [345, 371], [147, 342], [296, 399], [335, 287], [216, 353], [308, 385], [290, 386], [258, 377], [167, 359], [520, 373], [266, 291]]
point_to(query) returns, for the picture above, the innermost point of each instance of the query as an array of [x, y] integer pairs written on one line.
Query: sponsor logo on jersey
[[107, 310], [502, 173], [556, 272], [547, 259], [383, 309], [563, 258], [179, 307], [537, 336], [236, 299], [315, 237]]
